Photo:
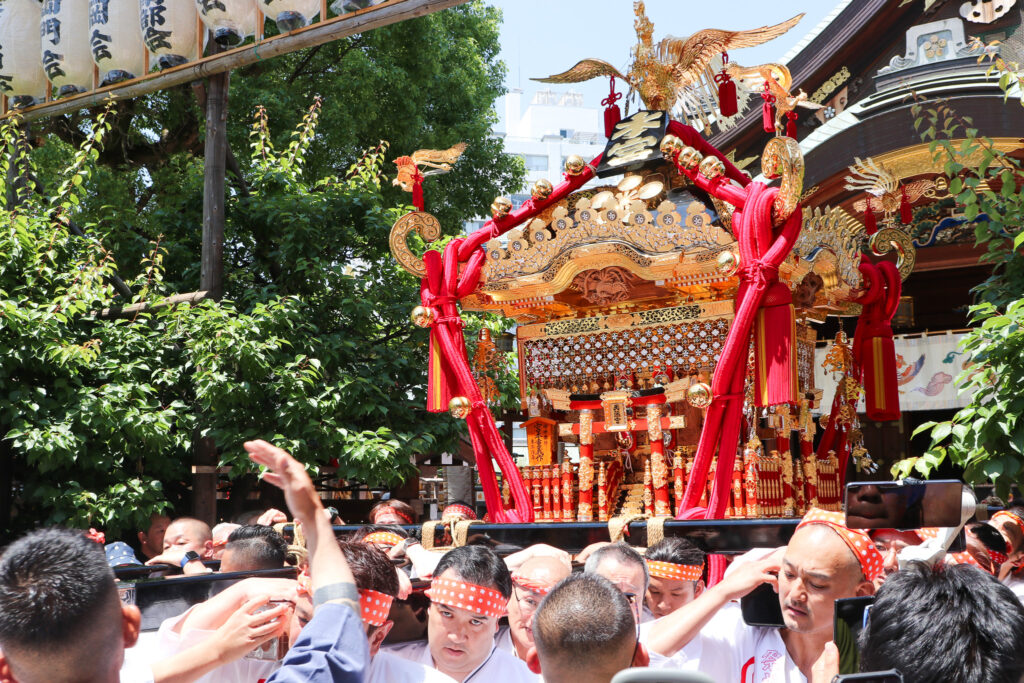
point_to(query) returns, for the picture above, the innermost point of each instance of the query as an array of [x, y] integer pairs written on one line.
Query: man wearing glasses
[[530, 583], [624, 567]]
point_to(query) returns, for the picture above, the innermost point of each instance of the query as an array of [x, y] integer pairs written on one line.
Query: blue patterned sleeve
[[332, 648]]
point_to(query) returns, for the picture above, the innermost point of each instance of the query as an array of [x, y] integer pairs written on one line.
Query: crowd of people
[[378, 606]]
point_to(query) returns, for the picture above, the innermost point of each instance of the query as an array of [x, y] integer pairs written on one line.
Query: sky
[[542, 37]]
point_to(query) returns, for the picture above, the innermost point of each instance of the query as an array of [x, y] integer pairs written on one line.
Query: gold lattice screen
[[586, 355]]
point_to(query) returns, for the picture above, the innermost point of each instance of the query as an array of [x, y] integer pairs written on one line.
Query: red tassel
[[767, 118], [906, 215], [727, 104], [791, 124], [870, 224], [775, 363], [417, 191], [612, 113]]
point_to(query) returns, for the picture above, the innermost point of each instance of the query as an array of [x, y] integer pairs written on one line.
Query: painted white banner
[[926, 367]]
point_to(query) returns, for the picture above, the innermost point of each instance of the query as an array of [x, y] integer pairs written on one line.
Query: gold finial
[[644, 26]]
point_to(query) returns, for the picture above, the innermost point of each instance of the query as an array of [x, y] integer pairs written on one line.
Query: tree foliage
[[311, 345], [986, 437]]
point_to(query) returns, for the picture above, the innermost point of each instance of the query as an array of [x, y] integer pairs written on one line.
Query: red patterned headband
[[375, 606], [1010, 517], [407, 518], [389, 538], [966, 558], [858, 541], [531, 585], [675, 572], [456, 509], [467, 596]]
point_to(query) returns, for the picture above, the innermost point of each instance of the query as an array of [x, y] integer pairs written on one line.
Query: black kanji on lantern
[[49, 29], [99, 11], [51, 65], [100, 43]]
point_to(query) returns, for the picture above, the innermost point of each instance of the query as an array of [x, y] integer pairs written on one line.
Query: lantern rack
[[318, 33]]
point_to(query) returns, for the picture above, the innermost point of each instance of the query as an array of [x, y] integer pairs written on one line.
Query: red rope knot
[[613, 96], [479, 405], [760, 272], [767, 95], [451, 319]]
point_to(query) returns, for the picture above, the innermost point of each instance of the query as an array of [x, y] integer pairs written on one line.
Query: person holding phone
[[823, 562]]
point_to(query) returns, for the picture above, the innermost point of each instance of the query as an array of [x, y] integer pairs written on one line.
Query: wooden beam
[[135, 309], [390, 12]]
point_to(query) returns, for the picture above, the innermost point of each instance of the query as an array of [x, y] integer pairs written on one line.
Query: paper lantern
[[231, 21], [291, 14], [67, 59], [169, 31], [21, 71], [116, 41]]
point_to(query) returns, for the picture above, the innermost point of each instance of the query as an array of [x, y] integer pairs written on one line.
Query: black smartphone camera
[[760, 607]]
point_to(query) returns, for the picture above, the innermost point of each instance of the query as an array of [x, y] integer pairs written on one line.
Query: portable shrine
[[664, 316]]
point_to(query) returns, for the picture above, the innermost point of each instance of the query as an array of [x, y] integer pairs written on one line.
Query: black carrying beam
[[161, 598], [729, 536]]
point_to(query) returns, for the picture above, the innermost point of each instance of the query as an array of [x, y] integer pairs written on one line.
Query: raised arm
[[672, 632], [332, 648]]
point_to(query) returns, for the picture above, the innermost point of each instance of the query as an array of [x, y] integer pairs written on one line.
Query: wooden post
[[212, 264], [211, 277]]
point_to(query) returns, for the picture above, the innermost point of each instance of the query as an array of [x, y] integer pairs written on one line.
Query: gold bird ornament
[[675, 70], [440, 160]]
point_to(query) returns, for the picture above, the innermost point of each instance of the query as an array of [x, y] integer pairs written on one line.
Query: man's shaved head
[[542, 569], [188, 533], [584, 630], [534, 577], [817, 569]]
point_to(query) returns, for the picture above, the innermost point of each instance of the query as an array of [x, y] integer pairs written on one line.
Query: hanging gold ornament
[[575, 165], [699, 395], [541, 189], [460, 407], [837, 358], [728, 262], [423, 316], [501, 207]]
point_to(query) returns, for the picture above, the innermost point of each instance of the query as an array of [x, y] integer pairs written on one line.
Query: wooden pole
[[390, 12], [212, 264], [211, 276]]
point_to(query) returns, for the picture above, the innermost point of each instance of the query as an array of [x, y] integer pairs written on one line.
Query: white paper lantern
[[169, 31], [115, 39], [21, 70], [67, 59], [232, 21], [291, 14]]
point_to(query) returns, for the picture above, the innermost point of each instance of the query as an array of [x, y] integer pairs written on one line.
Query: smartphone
[[890, 676], [851, 616], [903, 505], [275, 648], [760, 607]]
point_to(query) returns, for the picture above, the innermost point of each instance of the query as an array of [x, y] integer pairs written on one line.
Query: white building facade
[[553, 127]]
